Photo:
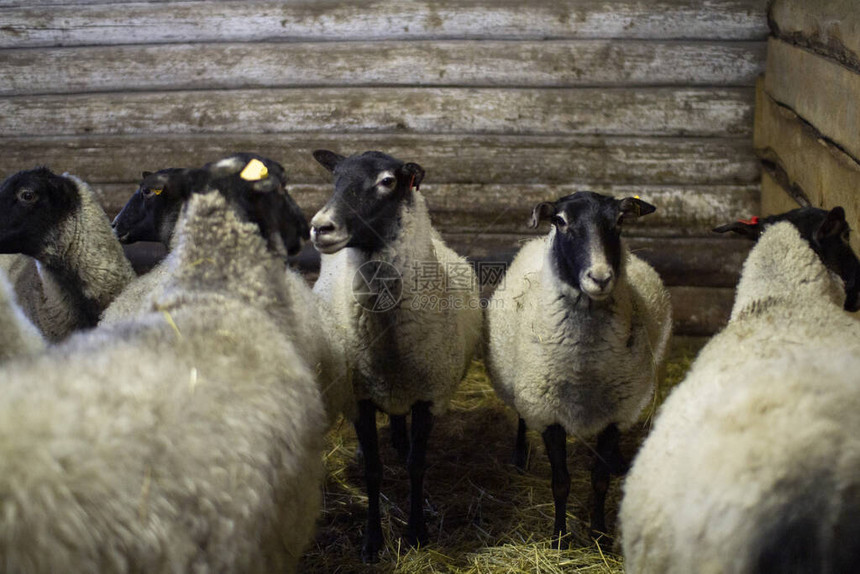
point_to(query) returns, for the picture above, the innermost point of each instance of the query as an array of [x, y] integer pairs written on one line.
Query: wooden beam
[[447, 158], [819, 90], [615, 111], [828, 27], [28, 24], [824, 172], [410, 64]]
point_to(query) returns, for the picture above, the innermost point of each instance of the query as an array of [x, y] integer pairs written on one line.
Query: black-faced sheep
[[71, 266], [185, 439], [753, 464], [576, 337], [408, 353]]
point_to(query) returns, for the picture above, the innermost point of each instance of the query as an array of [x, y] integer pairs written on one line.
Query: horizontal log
[[820, 90], [447, 158], [618, 111], [829, 27], [28, 25], [337, 64], [825, 173]]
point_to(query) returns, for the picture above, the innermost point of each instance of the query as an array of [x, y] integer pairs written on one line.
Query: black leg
[[608, 461], [521, 447], [555, 440], [422, 424], [399, 436], [365, 428]]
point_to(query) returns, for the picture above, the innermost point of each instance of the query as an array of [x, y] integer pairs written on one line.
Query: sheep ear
[[632, 207], [750, 229], [541, 212], [415, 173], [833, 225], [328, 159]]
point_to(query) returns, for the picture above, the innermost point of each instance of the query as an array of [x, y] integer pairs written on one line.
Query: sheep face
[[369, 191], [586, 248], [828, 235], [151, 213], [32, 203]]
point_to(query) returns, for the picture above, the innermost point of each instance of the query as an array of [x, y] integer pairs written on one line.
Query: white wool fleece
[[18, 336], [556, 356], [421, 348], [187, 439], [763, 433]]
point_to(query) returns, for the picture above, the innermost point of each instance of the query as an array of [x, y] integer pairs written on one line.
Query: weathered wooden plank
[[830, 27], [774, 197], [820, 90], [447, 158], [618, 111], [424, 63], [824, 172], [27, 25]]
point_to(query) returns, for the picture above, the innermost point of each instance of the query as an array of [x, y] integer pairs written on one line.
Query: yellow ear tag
[[636, 197], [254, 171], [156, 190]]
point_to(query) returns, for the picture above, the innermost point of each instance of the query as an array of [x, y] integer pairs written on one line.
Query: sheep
[[71, 266], [18, 336], [186, 439], [390, 281], [151, 214], [313, 331], [753, 464], [575, 337]]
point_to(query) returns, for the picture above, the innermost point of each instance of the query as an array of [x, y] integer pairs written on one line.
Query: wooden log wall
[[505, 103], [807, 128]]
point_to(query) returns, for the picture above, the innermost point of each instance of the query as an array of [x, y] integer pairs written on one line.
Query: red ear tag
[[751, 221], [412, 181]]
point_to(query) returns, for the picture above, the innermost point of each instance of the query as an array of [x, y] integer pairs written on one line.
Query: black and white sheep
[[18, 336], [155, 207], [576, 336], [71, 266], [185, 439], [753, 464], [410, 333]]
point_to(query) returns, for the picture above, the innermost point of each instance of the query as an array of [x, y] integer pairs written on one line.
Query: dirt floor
[[483, 515]]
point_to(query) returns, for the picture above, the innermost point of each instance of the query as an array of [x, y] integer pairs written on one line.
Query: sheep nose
[[601, 280], [322, 229]]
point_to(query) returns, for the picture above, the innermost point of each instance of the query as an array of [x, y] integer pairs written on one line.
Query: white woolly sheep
[[18, 336], [410, 339], [77, 265], [576, 336], [753, 464], [154, 209], [187, 439]]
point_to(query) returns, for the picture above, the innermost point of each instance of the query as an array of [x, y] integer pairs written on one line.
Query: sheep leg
[[422, 423], [365, 428], [608, 461], [521, 447], [555, 440], [399, 436]]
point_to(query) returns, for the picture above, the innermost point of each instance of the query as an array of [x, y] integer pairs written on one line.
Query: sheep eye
[[387, 181], [27, 196]]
